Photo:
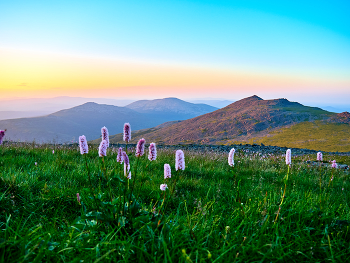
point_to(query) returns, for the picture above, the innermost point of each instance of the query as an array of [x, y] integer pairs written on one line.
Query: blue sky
[[294, 38]]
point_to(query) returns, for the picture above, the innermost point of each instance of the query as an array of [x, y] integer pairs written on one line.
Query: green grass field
[[319, 136], [215, 213]]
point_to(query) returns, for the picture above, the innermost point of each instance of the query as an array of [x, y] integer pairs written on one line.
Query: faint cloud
[[23, 84]]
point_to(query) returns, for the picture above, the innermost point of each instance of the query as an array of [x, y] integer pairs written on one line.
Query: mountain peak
[[246, 101], [172, 106], [251, 99], [171, 98], [254, 97]]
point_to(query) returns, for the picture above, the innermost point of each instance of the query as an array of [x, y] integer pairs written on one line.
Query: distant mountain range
[[5, 115], [170, 108], [36, 107], [44, 106], [89, 118], [252, 120], [337, 109], [215, 103], [277, 122]]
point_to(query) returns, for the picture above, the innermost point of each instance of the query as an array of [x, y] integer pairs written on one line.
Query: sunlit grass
[[316, 135]]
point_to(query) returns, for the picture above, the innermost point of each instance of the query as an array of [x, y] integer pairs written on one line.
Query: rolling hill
[[67, 125], [252, 120]]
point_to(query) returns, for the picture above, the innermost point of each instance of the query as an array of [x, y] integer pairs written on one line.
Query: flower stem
[[90, 181], [284, 193], [135, 173], [107, 177]]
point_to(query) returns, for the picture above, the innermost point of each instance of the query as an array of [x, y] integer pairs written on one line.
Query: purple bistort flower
[[140, 147], [78, 198], [179, 160], [288, 157], [167, 171], [127, 132], [120, 155], [83, 145], [102, 149], [127, 172], [105, 135], [319, 156], [163, 187], [126, 158], [2, 134], [231, 160], [152, 152], [334, 164]]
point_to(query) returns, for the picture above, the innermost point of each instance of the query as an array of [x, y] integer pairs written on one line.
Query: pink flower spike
[[78, 198], [231, 160], [127, 132], [102, 149], [126, 158], [140, 148], [179, 160], [2, 134], [288, 157], [120, 155], [334, 164], [319, 156], [105, 135], [53, 151], [152, 152], [127, 172], [163, 187], [167, 171], [84, 149]]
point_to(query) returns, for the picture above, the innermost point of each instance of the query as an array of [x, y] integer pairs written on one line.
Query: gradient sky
[[298, 50]]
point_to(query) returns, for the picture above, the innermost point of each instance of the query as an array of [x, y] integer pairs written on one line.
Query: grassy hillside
[[209, 213], [316, 135]]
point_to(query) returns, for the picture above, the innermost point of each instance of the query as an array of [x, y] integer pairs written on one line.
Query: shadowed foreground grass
[[216, 214]]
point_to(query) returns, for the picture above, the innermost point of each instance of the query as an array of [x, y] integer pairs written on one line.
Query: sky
[[298, 50]]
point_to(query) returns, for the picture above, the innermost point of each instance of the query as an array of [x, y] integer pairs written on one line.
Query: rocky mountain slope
[[276, 122], [239, 121]]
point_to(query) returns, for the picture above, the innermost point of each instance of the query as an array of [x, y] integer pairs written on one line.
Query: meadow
[[259, 210], [331, 137]]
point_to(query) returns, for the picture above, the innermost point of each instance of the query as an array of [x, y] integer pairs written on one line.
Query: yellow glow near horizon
[[39, 74]]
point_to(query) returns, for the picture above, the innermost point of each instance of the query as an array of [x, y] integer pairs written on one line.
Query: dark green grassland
[[216, 213]]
